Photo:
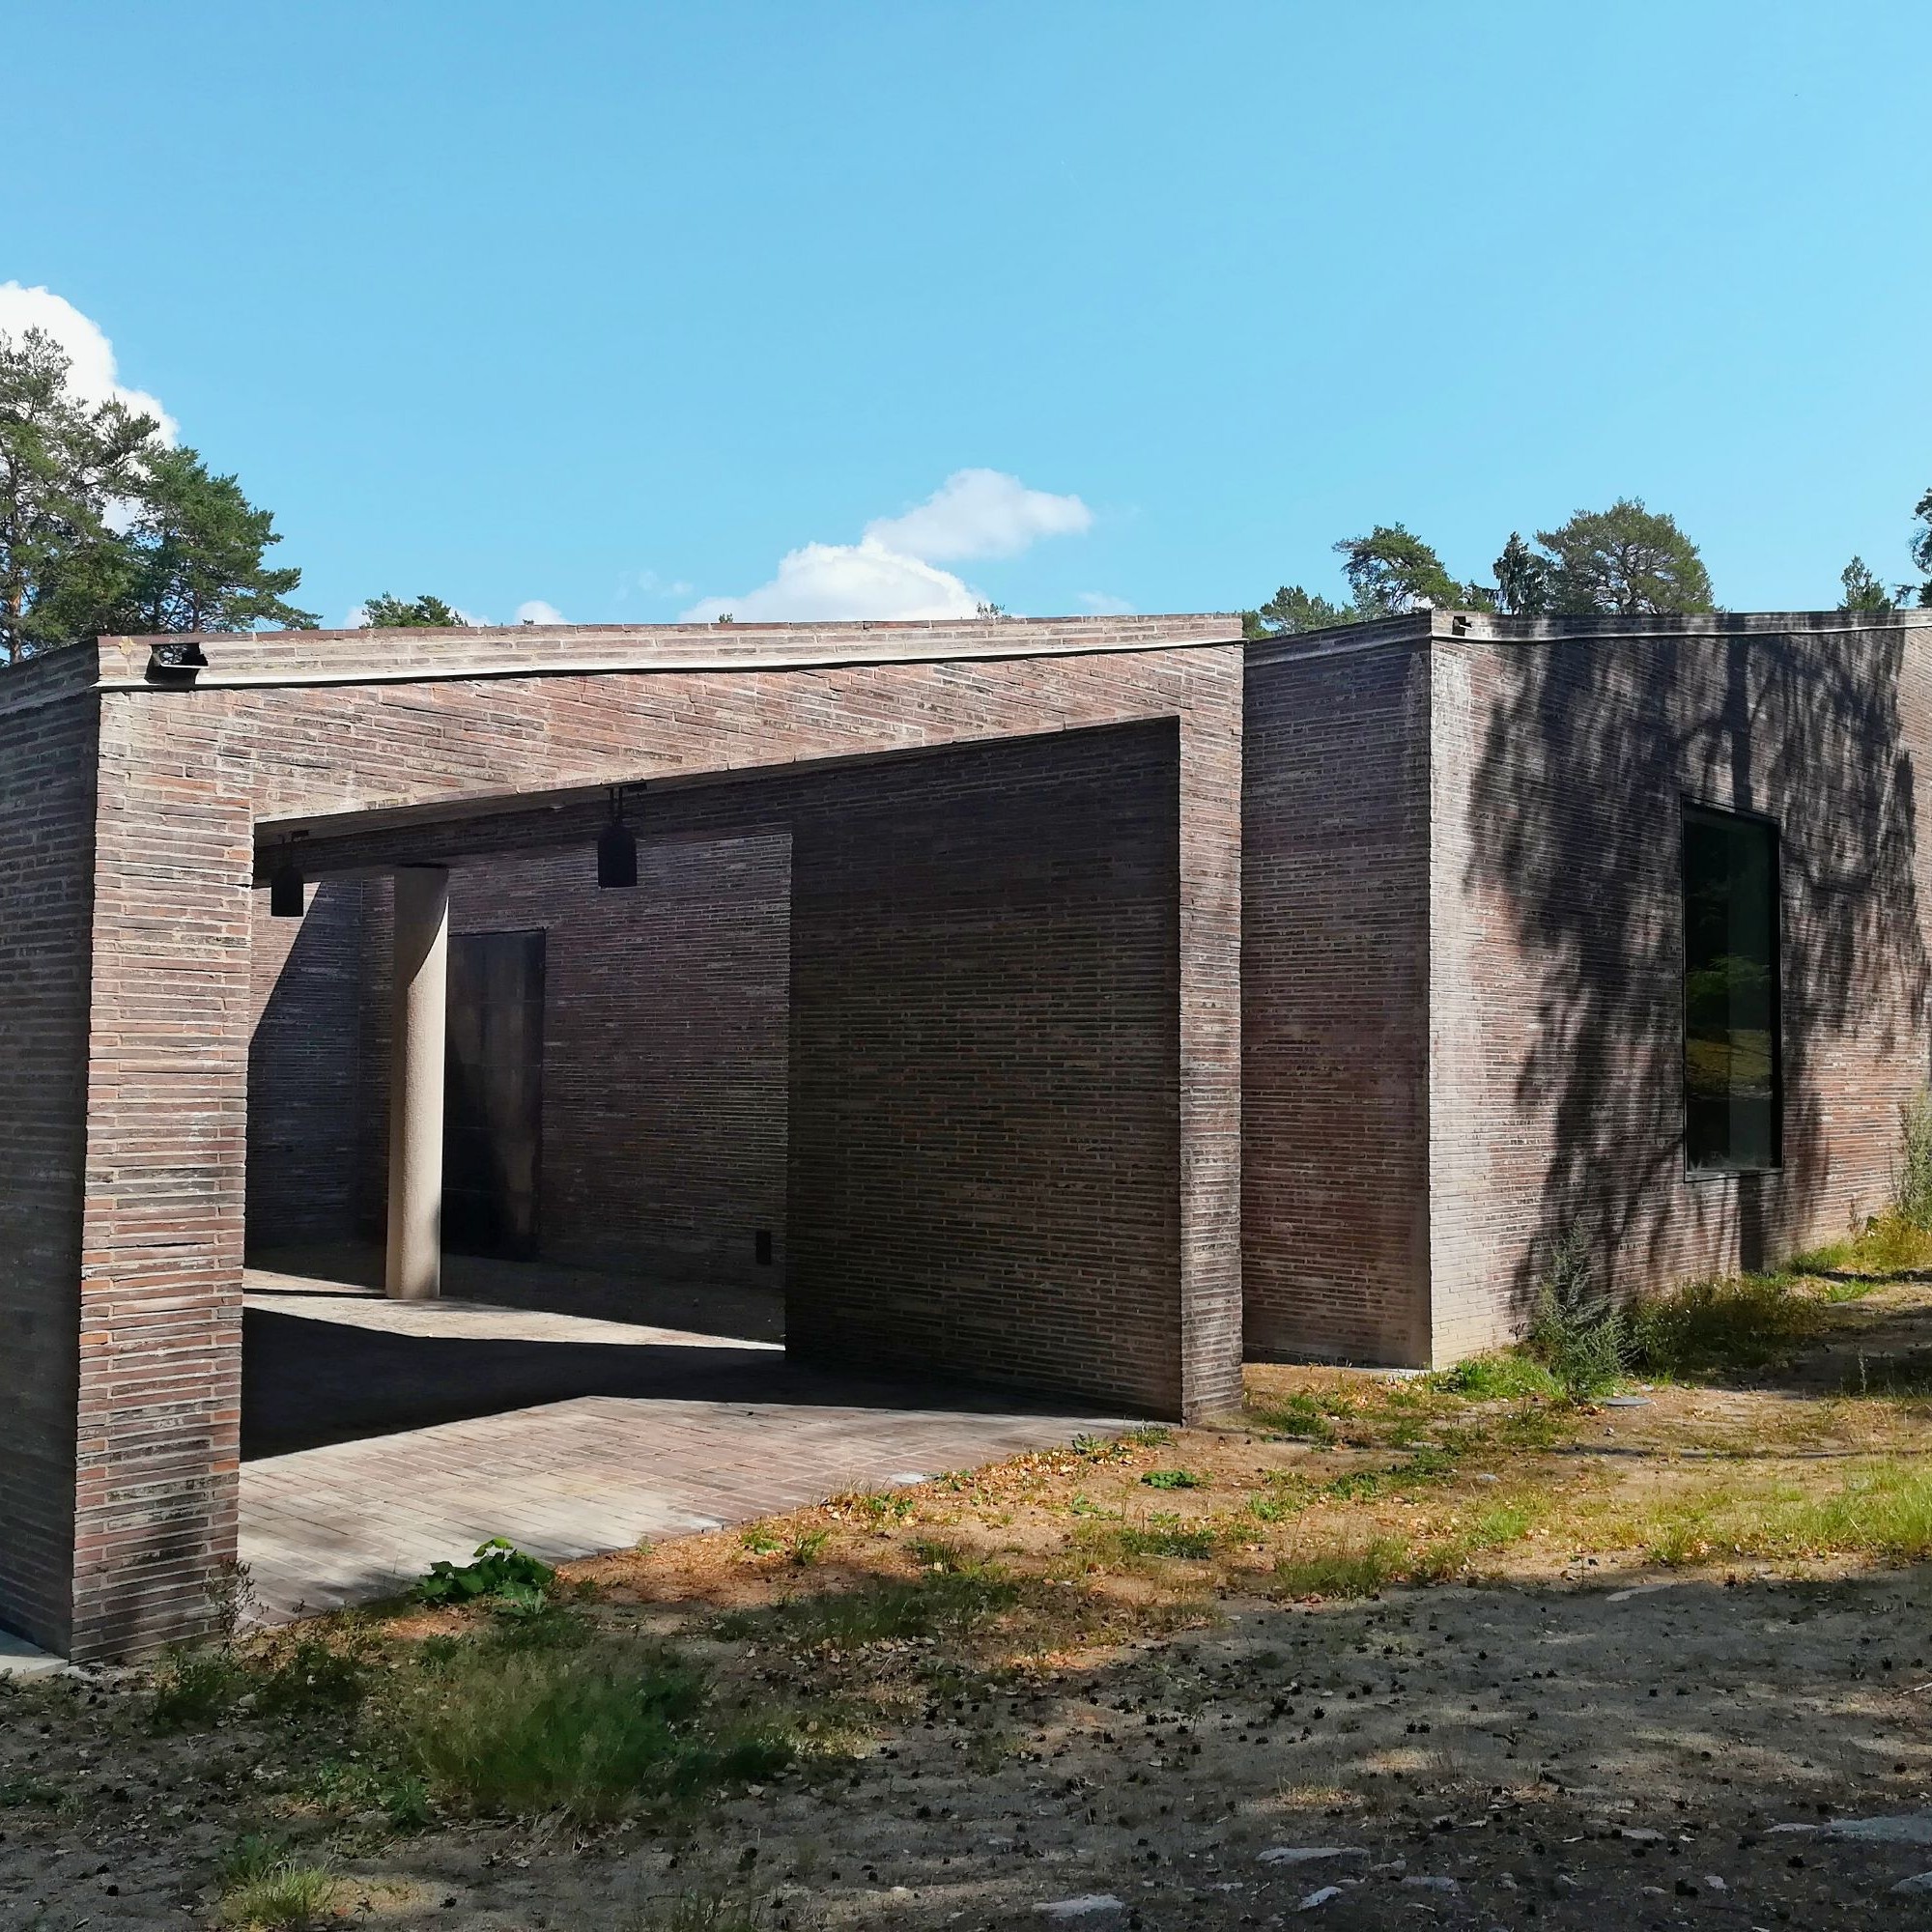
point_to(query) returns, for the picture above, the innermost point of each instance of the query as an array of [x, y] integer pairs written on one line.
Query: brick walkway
[[568, 1434]]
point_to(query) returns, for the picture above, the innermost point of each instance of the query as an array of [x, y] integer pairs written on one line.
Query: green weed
[[498, 1571], [1746, 1324], [1174, 1479]]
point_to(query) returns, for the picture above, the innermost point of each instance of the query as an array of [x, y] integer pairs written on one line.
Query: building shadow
[[1589, 751]]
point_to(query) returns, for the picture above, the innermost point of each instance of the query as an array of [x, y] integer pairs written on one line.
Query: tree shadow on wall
[[1589, 748]]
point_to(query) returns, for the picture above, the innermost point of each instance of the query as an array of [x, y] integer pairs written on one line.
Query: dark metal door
[[493, 1104]]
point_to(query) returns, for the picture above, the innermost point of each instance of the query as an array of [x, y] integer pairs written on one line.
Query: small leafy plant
[[1173, 1478], [498, 1572]]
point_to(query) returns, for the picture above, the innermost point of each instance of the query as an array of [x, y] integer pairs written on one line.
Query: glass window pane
[[1731, 1098]]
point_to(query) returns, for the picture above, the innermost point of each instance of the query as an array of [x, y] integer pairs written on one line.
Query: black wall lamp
[[616, 847], [285, 883]]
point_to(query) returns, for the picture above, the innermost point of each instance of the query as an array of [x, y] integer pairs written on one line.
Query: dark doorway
[[492, 1119]]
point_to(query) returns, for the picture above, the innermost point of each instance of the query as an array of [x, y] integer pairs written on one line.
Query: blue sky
[[613, 308]]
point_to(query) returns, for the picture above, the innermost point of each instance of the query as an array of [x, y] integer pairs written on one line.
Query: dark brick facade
[[1562, 755], [1334, 996], [408, 735], [1462, 956], [46, 844], [1080, 1016]]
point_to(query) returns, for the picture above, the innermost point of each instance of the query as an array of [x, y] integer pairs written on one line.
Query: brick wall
[[188, 780], [46, 840], [308, 1072], [1556, 1085], [985, 1067], [1334, 976]]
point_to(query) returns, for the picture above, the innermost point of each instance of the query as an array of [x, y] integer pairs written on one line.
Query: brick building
[[1043, 1002]]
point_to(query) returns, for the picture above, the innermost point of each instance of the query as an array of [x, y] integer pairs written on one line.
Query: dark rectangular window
[[1732, 1098]]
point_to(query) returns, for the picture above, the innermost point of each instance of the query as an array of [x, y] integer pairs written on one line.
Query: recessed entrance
[[493, 1095]]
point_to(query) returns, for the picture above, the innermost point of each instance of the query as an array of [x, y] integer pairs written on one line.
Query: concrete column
[[418, 1016]]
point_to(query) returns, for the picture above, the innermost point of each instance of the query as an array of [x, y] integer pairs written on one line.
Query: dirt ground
[[1376, 1653]]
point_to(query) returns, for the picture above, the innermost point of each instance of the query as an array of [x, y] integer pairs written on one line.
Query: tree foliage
[[400, 614], [1625, 562], [102, 528], [62, 463], [1392, 572], [1922, 545], [1863, 591], [1522, 579], [1291, 610]]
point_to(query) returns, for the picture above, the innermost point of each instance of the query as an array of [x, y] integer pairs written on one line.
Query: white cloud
[[537, 612], [980, 513], [1102, 605], [824, 583], [894, 570], [93, 374]]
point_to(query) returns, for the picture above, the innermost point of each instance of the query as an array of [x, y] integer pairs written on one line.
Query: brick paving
[[597, 1434]]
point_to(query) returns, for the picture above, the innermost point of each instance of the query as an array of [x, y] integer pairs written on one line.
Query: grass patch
[[945, 1602], [1499, 1378], [1882, 1512], [587, 1733], [1724, 1328], [1891, 1375], [699, 1912], [192, 1688], [1357, 1570], [18, 1793], [310, 1680], [1299, 1417], [1159, 1536], [265, 1889]]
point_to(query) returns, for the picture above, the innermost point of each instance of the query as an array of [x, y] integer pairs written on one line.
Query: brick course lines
[[1334, 986]]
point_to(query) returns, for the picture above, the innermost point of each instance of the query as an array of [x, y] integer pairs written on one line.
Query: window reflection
[[1731, 1075]]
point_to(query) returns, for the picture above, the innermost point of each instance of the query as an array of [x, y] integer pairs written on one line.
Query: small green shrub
[[1174, 1479], [498, 1571], [370, 1784], [808, 1546], [20, 1792], [1165, 1536], [1576, 1332], [699, 1912], [1912, 1171], [760, 1541], [1356, 1486]]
